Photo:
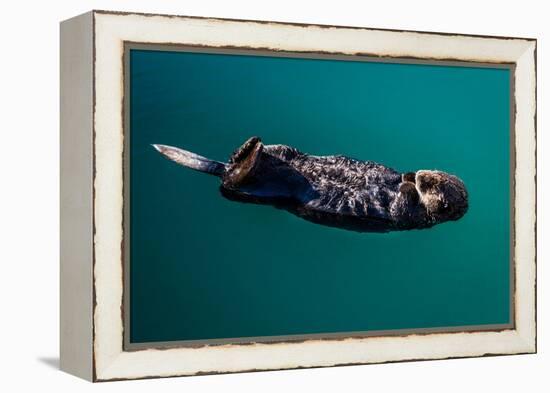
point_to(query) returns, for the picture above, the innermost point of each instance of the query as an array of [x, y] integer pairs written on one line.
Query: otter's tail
[[192, 160]]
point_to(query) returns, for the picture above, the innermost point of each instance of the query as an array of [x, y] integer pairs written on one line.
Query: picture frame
[[95, 195]]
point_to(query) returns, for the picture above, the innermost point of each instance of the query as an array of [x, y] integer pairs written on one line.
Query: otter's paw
[[409, 177], [408, 191]]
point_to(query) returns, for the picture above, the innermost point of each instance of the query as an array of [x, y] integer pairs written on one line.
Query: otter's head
[[444, 196]]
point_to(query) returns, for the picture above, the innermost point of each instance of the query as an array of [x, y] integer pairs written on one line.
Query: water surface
[[203, 267]]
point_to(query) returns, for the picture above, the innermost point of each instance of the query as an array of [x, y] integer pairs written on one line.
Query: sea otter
[[336, 191]]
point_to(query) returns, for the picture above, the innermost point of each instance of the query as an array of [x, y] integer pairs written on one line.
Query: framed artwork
[[245, 195]]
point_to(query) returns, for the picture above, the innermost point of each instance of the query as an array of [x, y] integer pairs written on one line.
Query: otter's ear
[[409, 192]]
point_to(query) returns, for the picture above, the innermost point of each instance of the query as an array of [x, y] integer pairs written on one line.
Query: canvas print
[[276, 197]]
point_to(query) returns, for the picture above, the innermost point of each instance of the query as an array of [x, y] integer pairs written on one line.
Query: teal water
[[203, 267]]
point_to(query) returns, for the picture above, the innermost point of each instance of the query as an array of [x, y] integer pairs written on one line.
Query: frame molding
[[104, 355]]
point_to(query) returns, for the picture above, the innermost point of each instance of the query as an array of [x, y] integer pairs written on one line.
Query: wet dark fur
[[342, 192]]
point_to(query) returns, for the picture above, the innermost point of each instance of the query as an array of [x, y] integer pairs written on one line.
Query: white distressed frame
[[111, 30]]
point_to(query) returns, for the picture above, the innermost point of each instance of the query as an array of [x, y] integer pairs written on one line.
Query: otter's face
[[444, 196]]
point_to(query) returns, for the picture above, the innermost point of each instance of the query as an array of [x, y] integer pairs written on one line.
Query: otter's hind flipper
[[243, 164]]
